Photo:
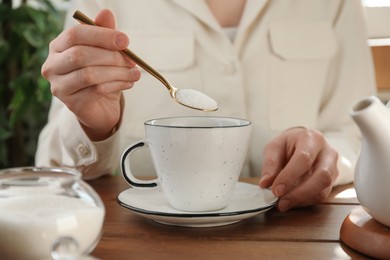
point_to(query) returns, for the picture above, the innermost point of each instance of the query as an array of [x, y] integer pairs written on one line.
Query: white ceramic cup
[[198, 160]]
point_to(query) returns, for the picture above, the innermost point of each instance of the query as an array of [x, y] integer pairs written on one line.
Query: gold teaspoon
[[186, 97]]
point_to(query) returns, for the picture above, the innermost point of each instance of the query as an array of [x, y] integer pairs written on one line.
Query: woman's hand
[[300, 166], [88, 73]]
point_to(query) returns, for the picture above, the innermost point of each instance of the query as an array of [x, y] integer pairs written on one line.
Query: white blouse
[[292, 63]]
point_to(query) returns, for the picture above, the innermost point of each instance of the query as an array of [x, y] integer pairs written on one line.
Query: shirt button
[[83, 150], [230, 69]]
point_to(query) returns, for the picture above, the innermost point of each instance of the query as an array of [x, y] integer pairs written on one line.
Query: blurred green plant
[[25, 33]]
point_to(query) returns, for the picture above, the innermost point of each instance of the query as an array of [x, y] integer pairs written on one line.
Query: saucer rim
[[206, 214], [201, 222], [186, 214]]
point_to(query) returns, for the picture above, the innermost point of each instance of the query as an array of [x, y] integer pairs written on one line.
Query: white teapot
[[372, 171]]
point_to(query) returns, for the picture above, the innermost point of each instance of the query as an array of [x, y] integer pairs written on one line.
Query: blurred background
[[27, 27]]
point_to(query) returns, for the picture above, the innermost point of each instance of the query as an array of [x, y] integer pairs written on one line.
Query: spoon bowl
[[186, 97]]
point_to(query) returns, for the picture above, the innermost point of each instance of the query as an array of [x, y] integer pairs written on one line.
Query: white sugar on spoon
[[195, 99]]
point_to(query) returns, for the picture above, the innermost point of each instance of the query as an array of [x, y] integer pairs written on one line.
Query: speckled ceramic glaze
[[372, 171], [198, 160]]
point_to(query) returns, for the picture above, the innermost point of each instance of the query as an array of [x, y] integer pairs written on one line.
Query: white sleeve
[[63, 142]]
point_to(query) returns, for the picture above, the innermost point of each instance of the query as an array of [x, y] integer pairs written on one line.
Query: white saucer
[[248, 200]]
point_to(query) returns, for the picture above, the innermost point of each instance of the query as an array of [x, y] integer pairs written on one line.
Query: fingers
[[93, 76], [315, 186], [86, 55], [89, 35], [300, 163], [105, 18], [289, 156], [302, 151], [300, 166], [91, 97], [103, 35], [273, 162], [78, 57]]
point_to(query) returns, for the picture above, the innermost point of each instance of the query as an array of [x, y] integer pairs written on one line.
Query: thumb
[[105, 18]]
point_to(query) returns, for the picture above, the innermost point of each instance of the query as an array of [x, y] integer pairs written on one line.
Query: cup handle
[[125, 167]]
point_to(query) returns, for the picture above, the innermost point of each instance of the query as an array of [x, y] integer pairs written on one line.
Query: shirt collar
[[200, 10]]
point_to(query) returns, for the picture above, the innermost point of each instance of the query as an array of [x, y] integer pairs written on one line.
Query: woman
[[291, 67]]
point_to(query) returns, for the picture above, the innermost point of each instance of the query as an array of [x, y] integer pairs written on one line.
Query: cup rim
[[230, 122]]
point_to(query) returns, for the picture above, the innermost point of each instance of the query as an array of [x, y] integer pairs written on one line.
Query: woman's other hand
[[300, 166]]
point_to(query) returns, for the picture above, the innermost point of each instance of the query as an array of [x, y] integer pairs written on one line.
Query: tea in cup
[[198, 160]]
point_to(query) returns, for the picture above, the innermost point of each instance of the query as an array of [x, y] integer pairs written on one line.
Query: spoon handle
[[82, 18]]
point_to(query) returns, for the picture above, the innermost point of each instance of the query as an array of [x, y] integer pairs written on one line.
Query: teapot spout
[[373, 119]]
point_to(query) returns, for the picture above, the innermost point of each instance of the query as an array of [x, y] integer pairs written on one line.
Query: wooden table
[[306, 233]]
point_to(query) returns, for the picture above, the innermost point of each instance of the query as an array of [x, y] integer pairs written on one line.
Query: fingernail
[[136, 73], [280, 190], [284, 205], [121, 41]]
